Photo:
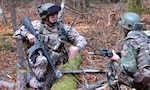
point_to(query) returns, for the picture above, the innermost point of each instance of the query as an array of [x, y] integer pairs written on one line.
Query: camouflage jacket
[[50, 37], [135, 51]]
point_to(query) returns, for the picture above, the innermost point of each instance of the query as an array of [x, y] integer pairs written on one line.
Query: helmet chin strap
[[48, 22]]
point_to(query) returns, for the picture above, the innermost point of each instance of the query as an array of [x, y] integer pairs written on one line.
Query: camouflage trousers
[[116, 76], [38, 65], [42, 73]]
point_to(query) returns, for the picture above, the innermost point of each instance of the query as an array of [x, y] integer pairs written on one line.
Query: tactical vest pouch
[[142, 76], [125, 79]]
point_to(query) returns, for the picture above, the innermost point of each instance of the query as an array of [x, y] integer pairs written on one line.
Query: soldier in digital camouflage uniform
[[135, 54], [47, 27]]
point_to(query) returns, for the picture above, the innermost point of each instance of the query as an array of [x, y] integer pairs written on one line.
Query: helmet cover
[[128, 20], [48, 9]]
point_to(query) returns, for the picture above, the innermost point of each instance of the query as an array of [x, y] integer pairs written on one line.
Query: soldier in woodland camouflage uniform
[[47, 27], [135, 54]]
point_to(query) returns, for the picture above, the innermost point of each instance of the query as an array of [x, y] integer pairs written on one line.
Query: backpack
[[141, 78], [143, 73]]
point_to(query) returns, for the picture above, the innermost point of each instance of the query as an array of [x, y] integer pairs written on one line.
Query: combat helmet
[[47, 9], [128, 20]]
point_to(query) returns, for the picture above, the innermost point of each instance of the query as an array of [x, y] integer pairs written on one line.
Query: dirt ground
[[94, 26]]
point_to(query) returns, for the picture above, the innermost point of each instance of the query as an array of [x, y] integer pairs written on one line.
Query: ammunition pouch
[[125, 79], [59, 44]]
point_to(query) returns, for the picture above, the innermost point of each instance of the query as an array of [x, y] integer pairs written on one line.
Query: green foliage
[[92, 3], [134, 6], [5, 45], [8, 34], [66, 82]]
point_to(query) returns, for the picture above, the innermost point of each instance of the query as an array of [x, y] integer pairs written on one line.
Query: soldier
[[51, 34], [134, 64]]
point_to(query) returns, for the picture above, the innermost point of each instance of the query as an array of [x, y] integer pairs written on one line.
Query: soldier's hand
[[115, 57], [73, 51], [31, 38]]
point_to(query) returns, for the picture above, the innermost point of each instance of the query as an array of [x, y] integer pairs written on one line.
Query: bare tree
[[1, 14], [20, 80], [1, 10]]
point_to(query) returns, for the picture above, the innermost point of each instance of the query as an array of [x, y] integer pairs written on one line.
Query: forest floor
[[94, 26]]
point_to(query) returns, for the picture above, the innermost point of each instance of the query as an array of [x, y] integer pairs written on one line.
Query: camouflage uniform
[[50, 37], [134, 69], [135, 55]]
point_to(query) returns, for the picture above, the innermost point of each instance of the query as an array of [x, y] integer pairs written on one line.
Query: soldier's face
[[53, 18]]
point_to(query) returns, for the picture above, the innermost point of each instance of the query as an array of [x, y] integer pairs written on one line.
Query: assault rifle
[[39, 46], [103, 52], [111, 68]]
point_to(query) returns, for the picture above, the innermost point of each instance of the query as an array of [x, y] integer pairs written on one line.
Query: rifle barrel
[[85, 71]]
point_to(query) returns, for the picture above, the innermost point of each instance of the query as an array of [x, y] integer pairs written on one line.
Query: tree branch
[[8, 84], [93, 85]]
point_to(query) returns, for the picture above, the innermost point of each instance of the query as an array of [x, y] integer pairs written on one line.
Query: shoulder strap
[[63, 34], [41, 27]]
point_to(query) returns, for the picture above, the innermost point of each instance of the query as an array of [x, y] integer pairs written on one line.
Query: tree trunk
[[68, 81], [20, 80], [134, 6], [1, 12]]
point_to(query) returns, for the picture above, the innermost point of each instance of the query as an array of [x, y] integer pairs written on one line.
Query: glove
[[31, 38], [17, 34]]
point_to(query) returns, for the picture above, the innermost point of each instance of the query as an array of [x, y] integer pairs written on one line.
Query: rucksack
[[143, 73], [142, 76]]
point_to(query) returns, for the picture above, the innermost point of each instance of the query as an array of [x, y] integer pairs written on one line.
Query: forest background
[[96, 20]]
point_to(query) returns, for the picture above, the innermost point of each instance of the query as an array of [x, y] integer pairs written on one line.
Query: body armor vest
[[141, 42]]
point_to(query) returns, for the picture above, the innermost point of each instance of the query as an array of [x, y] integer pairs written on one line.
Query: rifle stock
[[38, 45]]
